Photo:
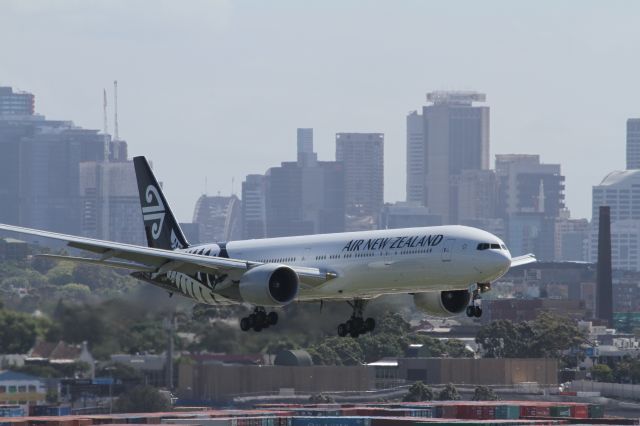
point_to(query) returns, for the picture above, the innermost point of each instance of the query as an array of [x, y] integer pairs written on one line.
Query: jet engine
[[442, 303], [269, 285]]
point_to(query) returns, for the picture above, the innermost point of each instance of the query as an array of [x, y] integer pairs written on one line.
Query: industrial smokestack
[[604, 299]]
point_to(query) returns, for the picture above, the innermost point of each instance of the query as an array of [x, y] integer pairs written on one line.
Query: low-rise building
[[23, 389], [12, 249], [483, 371]]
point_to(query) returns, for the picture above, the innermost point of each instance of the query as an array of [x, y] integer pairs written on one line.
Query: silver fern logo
[[175, 243], [154, 211]]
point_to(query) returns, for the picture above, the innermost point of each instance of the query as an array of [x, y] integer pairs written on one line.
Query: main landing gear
[[258, 320], [474, 309], [356, 325]]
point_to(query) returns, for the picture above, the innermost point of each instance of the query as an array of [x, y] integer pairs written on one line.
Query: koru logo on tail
[[154, 211]]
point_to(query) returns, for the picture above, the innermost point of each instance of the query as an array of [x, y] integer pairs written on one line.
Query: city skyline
[[198, 74]]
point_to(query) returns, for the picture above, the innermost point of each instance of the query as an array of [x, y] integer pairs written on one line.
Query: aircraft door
[[447, 249]]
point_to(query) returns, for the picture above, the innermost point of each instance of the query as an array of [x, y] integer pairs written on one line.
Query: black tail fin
[[160, 225]]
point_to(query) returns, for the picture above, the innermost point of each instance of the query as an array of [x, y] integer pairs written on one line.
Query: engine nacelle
[[269, 285], [442, 303]]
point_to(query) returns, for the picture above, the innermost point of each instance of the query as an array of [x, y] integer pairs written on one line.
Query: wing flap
[[99, 262]]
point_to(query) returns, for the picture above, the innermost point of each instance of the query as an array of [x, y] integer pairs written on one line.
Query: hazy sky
[[217, 89]]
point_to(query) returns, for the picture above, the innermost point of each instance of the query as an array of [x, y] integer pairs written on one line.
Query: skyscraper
[[16, 103], [296, 198], [633, 143], [530, 199], [110, 205], [305, 147], [529, 186], [416, 160], [620, 190], [451, 135], [253, 207], [362, 155]]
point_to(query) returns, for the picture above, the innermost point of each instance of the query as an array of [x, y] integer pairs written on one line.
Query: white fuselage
[[371, 263]]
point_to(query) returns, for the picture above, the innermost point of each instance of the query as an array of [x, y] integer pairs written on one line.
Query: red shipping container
[[580, 411], [534, 411], [449, 411]]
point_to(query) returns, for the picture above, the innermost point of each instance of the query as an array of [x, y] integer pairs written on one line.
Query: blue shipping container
[[330, 421]]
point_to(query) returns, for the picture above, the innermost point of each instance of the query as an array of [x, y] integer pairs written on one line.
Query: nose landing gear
[[474, 309], [259, 320], [356, 325]]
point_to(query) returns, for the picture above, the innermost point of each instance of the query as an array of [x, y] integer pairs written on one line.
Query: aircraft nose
[[502, 261]]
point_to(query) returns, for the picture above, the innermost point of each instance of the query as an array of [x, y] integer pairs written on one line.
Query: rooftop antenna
[[206, 189], [233, 181], [106, 126], [116, 135], [104, 110]]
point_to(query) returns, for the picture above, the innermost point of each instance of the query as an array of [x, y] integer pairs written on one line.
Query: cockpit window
[[487, 246], [503, 247]]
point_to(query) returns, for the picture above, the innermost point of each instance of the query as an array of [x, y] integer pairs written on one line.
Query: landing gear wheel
[[369, 324], [477, 312], [259, 320], [245, 324], [470, 310]]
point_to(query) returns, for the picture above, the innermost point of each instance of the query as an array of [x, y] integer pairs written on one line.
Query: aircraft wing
[[523, 260], [147, 259]]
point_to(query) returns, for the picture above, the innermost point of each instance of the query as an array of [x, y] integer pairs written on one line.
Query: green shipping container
[[560, 411], [596, 411], [507, 412]]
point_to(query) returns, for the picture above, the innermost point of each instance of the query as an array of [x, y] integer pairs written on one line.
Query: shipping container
[[216, 421], [560, 411], [330, 421], [579, 411], [596, 411], [507, 411], [534, 410]]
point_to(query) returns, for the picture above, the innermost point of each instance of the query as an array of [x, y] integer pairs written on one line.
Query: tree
[[602, 373], [449, 393], [142, 399], [484, 393], [347, 352], [321, 398], [547, 336], [392, 323], [18, 332], [553, 335], [418, 392], [322, 354], [377, 346]]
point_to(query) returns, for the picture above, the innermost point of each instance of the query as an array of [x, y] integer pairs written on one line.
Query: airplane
[[445, 268]]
